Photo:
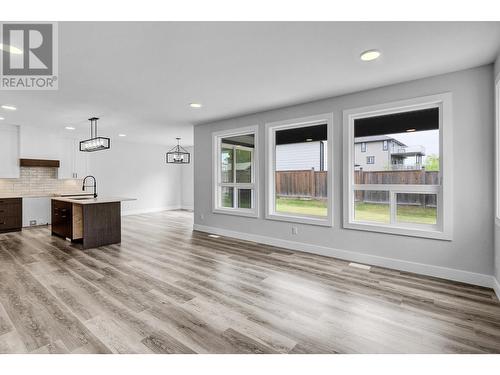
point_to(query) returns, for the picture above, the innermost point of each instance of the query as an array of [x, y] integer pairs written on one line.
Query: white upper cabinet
[[74, 164], [9, 151]]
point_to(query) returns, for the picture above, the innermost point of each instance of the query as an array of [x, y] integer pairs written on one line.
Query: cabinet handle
[[2, 223], [63, 216]]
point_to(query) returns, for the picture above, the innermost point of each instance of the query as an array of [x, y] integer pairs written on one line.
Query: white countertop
[[93, 200], [39, 195]]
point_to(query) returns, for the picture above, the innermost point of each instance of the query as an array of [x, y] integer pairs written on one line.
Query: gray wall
[[497, 227], [472, 246]]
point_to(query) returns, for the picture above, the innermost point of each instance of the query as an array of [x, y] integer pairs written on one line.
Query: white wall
[[187, 194], [137, 171], [469, 257]]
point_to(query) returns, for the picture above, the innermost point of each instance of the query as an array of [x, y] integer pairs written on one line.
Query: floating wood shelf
[[39, 163]]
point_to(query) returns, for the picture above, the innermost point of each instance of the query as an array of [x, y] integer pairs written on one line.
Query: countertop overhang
[[93, 200]]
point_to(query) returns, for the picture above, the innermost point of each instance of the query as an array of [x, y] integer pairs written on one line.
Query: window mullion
[[392, 206]]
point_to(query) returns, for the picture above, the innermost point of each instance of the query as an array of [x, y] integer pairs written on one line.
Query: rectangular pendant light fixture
[[95, 143], [178, 155]]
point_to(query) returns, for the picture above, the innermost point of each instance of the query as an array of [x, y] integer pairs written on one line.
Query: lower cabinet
[[11, 214], [62, 219], [67, 220]]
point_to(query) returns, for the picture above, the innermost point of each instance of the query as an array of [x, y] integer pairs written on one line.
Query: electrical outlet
[[295, 231], [32, 223]]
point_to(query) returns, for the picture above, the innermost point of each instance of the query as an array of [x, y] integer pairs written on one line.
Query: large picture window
[[400, 189], [235, 172], [299, 170]]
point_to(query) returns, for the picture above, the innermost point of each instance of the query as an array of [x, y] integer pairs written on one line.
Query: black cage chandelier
[[178, 154], [95, 143]]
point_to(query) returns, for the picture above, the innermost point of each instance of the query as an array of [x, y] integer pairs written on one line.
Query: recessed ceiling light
[[9, 107], [411, 130], [309, 140], [11, 49], [213, 236], [370, 55], [122, 135], [69, 128], [195, 105], [1, 118]]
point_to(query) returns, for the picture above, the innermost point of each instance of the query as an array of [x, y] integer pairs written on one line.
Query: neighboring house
[[302, 156], [383, 153]]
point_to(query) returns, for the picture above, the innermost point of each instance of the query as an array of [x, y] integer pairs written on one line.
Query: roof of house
[[377, 138]]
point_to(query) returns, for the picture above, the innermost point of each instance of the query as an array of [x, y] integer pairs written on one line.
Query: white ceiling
[[140, 77]]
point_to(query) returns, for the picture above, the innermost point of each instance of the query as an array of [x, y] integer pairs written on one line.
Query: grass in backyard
[[374, 212], [380, 213], [315, 207]]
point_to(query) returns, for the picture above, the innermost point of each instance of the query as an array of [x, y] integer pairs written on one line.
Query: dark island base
[[91, 225], [101, 224]]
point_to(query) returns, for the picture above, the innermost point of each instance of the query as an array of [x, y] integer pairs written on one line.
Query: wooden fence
[[302, 184], [412, 177], [313, 185]]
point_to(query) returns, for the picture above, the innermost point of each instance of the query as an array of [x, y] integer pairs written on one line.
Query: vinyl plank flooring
[[168, 289]]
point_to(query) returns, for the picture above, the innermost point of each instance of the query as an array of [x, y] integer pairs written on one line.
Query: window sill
[[325, 222], [236, 212], [400, 230]]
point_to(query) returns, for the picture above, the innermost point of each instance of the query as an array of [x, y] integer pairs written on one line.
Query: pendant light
[[95, 143], [178, 155]]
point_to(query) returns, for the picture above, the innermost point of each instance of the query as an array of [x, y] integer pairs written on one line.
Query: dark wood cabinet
[[62, 219], [11, 214]]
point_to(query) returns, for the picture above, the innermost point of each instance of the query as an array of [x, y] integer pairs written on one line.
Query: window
[[363, 147], [385, 146], [235, 187], [405, 190], [299, 171]]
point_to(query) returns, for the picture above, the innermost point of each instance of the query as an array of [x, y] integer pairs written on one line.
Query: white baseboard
[[401, 265], [496, 287], [150, 210], [187, 208]]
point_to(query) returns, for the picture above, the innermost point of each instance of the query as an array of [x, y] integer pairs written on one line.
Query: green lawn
[[374, 212], [302, 206], [380, 213]]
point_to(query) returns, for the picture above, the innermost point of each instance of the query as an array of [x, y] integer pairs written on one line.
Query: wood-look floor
[[167, 289]]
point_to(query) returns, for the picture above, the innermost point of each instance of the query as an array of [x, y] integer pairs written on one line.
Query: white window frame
[[216, 173], [385, 145], [372, 158], [443, 230], [363, 146], [271, 129], [497, 150]]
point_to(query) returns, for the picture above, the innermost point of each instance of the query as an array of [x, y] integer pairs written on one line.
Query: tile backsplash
[[39, 181]]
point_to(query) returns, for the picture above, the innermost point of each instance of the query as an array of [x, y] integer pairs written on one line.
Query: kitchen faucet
[[94, 185]]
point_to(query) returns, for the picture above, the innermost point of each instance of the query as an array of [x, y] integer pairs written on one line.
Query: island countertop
[[91, 200]]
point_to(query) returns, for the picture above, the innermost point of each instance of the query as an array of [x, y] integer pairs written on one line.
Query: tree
[[432, 163]]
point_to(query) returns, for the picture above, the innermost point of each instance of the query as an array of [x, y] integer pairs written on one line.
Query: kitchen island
[[93, 222]]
